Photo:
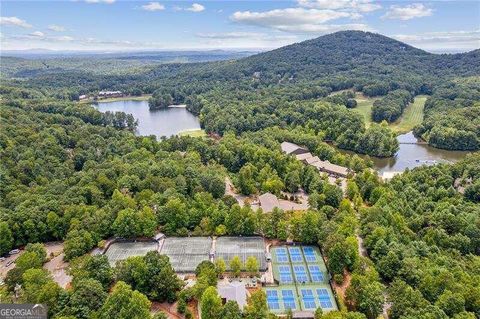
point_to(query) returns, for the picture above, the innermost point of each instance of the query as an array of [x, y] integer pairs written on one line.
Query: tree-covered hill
[[307, 71]]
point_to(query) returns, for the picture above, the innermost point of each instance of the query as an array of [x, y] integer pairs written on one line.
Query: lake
[[411, 154], [165, 122], [173, 120]]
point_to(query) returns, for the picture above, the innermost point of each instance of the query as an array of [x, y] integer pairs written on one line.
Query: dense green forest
[[71, 173], [270, 82], [452, 115]]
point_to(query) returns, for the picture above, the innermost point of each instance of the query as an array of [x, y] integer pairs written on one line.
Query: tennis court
[[243, 247], [295, 254], [280, 299], [122, 250], [285, 274], [186, 253], [303, 280], [316, 275], [309, 253]]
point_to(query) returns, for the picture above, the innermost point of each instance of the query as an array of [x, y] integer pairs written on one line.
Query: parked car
[[14, 252], [2, 259], [9, 263]]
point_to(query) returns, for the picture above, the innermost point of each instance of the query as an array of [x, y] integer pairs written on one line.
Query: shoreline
[[117, 99]]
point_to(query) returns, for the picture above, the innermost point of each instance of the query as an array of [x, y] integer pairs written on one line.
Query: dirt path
[[169, 309], [230, 190], [56, 266]]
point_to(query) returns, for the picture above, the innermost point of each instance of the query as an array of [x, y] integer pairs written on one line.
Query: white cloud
[[196, 8], [56, 28], [64, 38], [414, 10], [354, 5], [153, 6], [325, 28], [37, 34], [100, 1], [14, 21], [246, 35], [443, 40], [288, 16], [299, 20], [229, 35]]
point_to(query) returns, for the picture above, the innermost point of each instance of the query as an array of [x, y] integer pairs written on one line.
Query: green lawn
[[193, 133], [412, 115], [116, 99], [364, 107]]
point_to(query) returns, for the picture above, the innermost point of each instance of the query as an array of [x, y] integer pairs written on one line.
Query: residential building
[[291, 148]]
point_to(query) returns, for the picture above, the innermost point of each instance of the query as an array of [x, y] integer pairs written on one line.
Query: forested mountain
[[70, 173], [366, 62]]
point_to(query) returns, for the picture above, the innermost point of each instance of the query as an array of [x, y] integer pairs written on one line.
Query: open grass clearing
[[116, 99], [412, 115], [364, 107], [193, 133]]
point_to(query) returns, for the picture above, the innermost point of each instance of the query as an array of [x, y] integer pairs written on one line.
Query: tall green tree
[[256, 307], [125, 303], [6, 238], [211, 304], [236, 265]]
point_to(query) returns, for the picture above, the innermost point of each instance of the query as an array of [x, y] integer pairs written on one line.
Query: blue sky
[[116, 25]]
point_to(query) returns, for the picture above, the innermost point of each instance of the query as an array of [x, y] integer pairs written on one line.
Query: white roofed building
[[235, 291], [291, 148]]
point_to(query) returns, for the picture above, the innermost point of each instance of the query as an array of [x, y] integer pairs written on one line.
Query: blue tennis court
[[309, 254], [272, 299], [308, 299], [324, 298], [288, 299], [285, 274], [281, 255], [315, 273], [295, 254], [300, 273]]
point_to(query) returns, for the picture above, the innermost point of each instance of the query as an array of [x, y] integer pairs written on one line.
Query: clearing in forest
[[364, 107], [193, 133], [412, 115]]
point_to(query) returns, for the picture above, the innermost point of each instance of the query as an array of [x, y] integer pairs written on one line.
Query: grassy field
[[193, 133], [412, 116], [115, 99], [364, 107]]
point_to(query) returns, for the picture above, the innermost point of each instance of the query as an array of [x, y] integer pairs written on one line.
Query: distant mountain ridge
[[339, 52]]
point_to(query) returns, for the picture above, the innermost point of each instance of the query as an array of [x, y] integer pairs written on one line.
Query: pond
[[165, 122], [412, 153]]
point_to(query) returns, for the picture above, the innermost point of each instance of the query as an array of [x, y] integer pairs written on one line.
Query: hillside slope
[[250, 94], [358, 53]]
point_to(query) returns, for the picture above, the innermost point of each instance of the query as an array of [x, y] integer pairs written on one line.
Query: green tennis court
[[303, 280]]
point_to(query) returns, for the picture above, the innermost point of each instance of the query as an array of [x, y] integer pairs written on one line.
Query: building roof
[[289, 148], [303, 156], [233, 291], [312, 160], [268, 202], [303, 314], [109, 92], [329, 167]]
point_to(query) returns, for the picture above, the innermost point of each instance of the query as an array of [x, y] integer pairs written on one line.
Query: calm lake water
[[165, 122], [414, 155], [174, 120]]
